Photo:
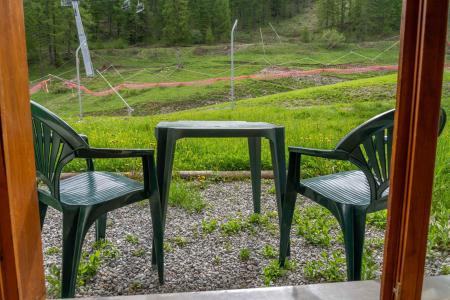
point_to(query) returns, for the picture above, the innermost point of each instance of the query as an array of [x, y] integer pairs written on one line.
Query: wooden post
[[21, 263], [423, 40]]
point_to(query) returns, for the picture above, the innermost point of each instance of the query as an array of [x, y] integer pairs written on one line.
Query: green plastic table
[[167, 133]]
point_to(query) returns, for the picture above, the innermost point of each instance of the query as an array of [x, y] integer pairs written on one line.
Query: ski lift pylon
[[139, 7], [126, 4]]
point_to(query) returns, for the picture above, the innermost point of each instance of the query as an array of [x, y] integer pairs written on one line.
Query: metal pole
[[79, 81], [273, 28], [232, 64], [129, 109], [83, 40]]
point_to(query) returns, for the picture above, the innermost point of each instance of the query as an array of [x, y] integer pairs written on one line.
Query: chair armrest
[[331, 154], [89, 161], [113, 153]]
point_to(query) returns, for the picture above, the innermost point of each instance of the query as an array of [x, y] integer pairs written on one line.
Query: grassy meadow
[[137, 65]]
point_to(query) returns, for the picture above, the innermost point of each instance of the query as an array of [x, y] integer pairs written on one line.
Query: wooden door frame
[[423, 39], [422, 56], [21, 262]]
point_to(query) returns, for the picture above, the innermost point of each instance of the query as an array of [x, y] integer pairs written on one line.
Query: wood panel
[[423, 40], [20, 244]]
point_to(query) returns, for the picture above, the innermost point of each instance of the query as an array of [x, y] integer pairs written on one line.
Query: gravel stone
[[207, 261]]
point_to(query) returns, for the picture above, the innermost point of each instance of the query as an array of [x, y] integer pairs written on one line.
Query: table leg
[[165, 155], [167, 176], [277, 147], [254, 147]]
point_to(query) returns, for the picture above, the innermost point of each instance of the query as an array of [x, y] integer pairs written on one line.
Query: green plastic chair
[[349, 195], [88, 197]]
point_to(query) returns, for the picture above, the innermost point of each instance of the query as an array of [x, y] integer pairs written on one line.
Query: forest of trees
[[360, 19], [51, 31]]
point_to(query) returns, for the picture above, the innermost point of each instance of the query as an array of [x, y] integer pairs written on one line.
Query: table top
[[216, 125]]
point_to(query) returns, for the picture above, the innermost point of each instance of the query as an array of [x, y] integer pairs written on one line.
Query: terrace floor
[[435, 288]]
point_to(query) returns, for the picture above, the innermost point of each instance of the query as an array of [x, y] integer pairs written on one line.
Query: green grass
[[186, 195]]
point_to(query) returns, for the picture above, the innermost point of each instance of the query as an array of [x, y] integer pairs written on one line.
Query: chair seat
[[91, 188], [349, 187]]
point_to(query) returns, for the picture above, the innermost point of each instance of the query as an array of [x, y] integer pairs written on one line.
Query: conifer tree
[[176, 22]]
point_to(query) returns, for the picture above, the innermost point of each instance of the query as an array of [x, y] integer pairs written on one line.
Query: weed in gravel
[[273, 271], [135, 286], [264, 221], [179, 241], [167, 247], [376, 242], [88, 267], [233, 226], [228, 247], [378, 219], [107, 248], [132, 239], [54, 281], [209, 226], [273, 214], [314, 223], [216, 260], [52, 251], [244, 254], [272, 190], [269, 251], [369, 265], [186, 195], [328, 267], [258, 219], [139, 252], [445, 270]]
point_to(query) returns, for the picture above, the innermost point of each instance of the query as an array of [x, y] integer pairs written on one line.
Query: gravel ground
[[207, 261]]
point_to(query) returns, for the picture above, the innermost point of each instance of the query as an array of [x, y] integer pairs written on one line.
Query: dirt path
[[267, 74]]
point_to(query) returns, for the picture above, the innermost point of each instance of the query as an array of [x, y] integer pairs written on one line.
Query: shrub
[[305, 35], [332, 38]]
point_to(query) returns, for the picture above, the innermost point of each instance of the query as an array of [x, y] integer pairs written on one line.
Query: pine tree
[[221, 19], [176, 22]]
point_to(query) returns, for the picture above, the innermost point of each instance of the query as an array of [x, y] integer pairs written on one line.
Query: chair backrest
[[370, 148], [54, 145]]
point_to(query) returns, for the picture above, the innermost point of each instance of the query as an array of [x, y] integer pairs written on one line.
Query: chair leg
[[100, 227], [42, 212], [158, 237], [288, 206], [254, 147], [353, 226], [286, 224], [74, 230]]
